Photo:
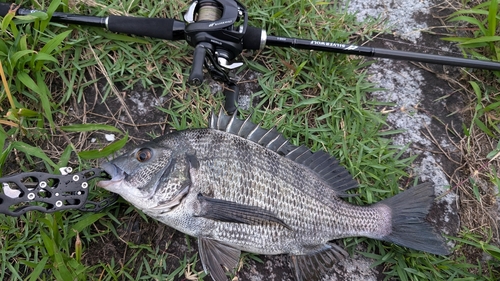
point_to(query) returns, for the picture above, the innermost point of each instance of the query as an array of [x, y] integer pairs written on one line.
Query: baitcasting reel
[[216, 29]]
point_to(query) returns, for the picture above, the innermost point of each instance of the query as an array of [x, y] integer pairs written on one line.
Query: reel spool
[[208, 11]]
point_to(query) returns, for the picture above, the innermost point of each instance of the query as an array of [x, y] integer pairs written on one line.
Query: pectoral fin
[[228, 211], [217, 258]]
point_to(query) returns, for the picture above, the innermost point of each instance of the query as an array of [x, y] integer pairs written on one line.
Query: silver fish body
[[238, 187]]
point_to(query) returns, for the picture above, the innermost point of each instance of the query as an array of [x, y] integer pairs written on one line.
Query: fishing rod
[[219, 31]]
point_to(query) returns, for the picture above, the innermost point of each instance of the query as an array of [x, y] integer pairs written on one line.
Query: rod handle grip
[[161, 28]]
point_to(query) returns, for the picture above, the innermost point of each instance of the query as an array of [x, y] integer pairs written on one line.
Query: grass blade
[[37, 271], [492, 18], [89, 127], [106, 151], [483, 39], [28, 81], [45, 57], [44, 95], [472, 21], [52, 8], [84, 222], [55, 42], [34, 151], [17, 55]]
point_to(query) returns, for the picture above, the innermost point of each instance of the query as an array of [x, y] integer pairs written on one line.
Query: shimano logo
[[219, 23]]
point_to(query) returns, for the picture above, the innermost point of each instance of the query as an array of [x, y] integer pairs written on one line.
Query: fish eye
[[143, 155]]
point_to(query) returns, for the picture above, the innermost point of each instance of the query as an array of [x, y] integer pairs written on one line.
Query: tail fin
[[409, 227]]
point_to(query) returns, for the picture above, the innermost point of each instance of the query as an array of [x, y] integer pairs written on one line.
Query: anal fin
[[217, 258], [313, 266]]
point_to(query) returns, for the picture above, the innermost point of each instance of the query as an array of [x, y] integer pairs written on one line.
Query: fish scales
[[238, 187], [276, 181]]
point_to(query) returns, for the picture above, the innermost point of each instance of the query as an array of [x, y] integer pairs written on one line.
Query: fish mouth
[[117, 175]]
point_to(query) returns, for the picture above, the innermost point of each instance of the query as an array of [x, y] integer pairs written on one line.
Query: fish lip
[[117, 175]]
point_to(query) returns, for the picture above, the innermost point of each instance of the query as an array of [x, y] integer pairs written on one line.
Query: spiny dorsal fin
[[320, 162]]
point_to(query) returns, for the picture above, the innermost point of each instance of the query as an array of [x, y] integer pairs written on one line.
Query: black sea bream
[[238, 187]]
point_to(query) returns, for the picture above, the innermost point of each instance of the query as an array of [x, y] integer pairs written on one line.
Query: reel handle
[[196, 75]]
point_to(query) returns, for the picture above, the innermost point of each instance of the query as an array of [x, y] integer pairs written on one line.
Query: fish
[[237, 186]]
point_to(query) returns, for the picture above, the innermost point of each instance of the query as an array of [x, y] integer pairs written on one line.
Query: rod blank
[[379, 52]]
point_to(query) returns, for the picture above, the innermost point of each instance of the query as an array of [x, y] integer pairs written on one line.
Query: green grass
[[481, 131], [314, 98], [484, 43], [484, 18]]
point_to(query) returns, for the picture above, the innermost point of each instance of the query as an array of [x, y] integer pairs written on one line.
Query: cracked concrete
[[404, 18]]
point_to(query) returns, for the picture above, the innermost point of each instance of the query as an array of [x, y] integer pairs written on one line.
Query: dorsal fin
[[320, 162]]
